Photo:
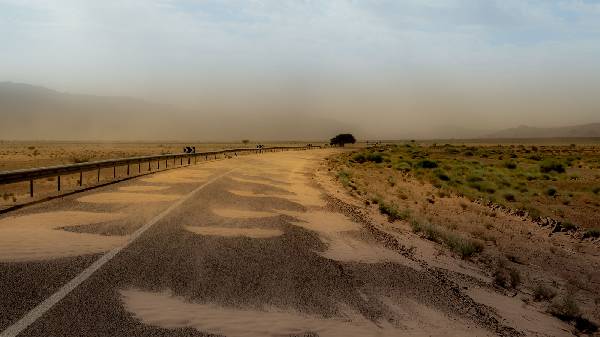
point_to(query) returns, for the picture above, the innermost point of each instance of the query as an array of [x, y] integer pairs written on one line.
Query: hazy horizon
[[384, 69]]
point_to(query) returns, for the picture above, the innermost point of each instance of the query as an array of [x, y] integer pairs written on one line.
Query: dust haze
[[295, 70]]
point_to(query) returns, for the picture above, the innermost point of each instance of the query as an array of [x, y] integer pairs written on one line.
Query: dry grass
[[435, 189]]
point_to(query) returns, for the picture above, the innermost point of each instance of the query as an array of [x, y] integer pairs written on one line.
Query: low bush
[[392, 212], [506, 277], [458, 244], [511, 165], [427, 164], [551, 191], [509, 196], [463, 247], [543, 293], [565, 308], [344, 178], [403, 166], [359, 158], [568, 226], [592, 233], [375, 157], [548, 166]]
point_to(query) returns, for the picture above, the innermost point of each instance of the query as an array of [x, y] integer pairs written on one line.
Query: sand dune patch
[[179, 177], [127, 197], [242, 193], [520, 315], [258, 181], [241, 213], [256, 233], [142, 188], [172, 312], [335, 229], [36, 237]]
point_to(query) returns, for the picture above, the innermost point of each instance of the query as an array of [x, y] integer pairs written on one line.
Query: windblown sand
[[335, 230], [127, 197], [242, 193], [241, 213], [258, 181], [167, 311], [172, 312], [179, 176], [37, 237], [142, 188], [520, 315], [256, 233]]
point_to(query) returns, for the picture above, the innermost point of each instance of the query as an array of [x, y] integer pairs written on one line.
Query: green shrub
[[548, 166], [596, 190], [392, 211], [509, 196], [359, 158], [506, 277], [464, 247], [568, 226], [442, 175], [427, 164], [551, 191], [592, 233], [375, 157], [403, 166], [565, 308], [344, 178], [511, 165], [543, 293]]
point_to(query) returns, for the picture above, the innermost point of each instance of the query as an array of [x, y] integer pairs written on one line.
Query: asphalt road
[[241, 247]]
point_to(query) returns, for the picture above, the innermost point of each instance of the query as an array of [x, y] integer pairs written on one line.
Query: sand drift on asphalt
[[39, 237]]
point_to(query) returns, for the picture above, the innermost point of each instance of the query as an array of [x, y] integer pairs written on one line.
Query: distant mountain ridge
[[30, 112], [575, 131]]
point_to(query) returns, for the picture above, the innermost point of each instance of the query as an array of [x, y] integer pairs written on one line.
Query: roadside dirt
[[540, 258]]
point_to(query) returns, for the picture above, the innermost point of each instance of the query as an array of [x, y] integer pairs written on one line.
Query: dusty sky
[[396, 68]]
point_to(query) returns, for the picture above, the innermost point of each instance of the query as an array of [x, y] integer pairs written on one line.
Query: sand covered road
[[258, 251]]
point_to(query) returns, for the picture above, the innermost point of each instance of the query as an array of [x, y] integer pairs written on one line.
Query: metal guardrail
[[9, 177]]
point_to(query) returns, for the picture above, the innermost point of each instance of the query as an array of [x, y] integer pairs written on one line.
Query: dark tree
[[343, 139]]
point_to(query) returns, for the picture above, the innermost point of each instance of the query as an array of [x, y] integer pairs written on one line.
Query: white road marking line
[[42, 308]]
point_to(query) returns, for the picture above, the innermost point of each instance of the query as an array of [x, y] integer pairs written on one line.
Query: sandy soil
[[142, 188], [127, 197], [39, 237], [256, 233], [241, 213], [165, 309]]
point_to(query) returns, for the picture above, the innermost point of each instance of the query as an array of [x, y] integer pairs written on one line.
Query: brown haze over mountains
[[288, 69], [35, 113]]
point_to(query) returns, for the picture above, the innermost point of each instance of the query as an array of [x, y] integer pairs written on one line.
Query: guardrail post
[[166, 163], [98, 174], [31, 188], [58, 183], [128, 168], [158, 164], [139, 166], [189, 160], [149, 167], [80, 178], [181, 161], [114, 172]]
